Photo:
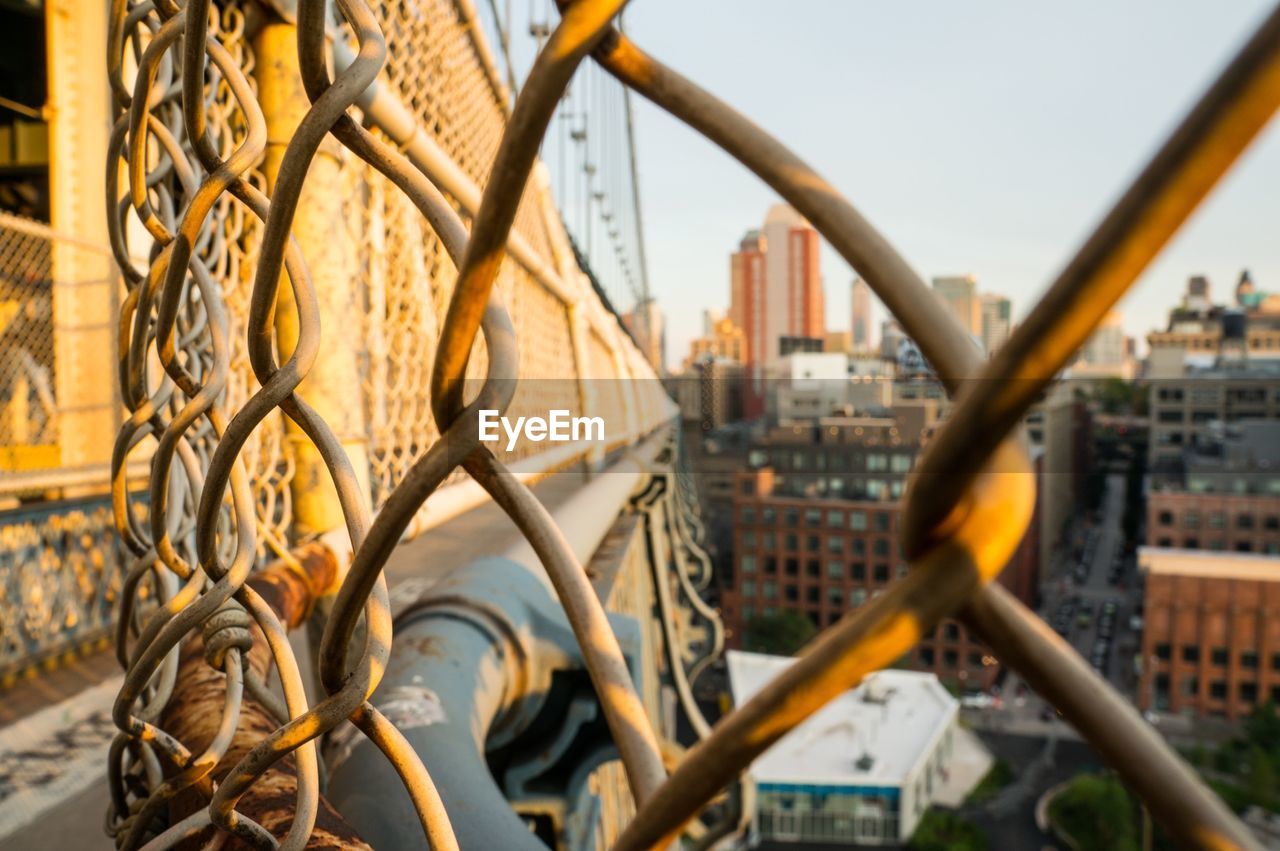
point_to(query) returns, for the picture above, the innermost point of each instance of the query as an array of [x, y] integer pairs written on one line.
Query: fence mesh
[[194, 545]]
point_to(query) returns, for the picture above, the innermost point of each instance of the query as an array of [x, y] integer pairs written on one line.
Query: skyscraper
[[860, 301], [960, 294], [996, 311], [776, 286]]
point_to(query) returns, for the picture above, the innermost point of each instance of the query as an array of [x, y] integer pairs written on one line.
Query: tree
[[943, 830], [1262, 777], [1097, 812], [781, 634]]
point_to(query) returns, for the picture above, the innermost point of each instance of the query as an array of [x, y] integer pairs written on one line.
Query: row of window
[[1218, 545], [1218, 690], [835, 544], [1219, 656], [813, 594], [834, 518], [1244, 520], [749, 565], [872, 462]]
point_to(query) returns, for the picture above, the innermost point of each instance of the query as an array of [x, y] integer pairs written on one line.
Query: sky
[[982, 137]]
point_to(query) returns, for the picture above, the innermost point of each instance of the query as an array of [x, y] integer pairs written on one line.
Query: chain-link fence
[[194, 122], [41, 272]]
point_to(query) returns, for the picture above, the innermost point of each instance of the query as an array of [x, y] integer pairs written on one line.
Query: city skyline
[[981, 201]]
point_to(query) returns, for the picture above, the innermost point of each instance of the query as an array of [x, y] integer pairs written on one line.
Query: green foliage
[[944, 830], [780, 634], [1117, 396], [1097, 812], [999, 776]]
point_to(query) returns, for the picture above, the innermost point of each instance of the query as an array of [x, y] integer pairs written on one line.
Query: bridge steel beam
[[333, 386]]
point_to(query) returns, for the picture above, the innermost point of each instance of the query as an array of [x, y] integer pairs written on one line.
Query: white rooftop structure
[[873, 735]]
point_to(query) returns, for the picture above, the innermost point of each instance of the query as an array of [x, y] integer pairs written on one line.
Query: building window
[[811, 594], [812, 517], [1272, 523], [812, 543], [858, 521], [1191, 543], [770, 565], [791, 543], [881, 546], [835, 519], [749, 538], [1249, 692], [858, 571], [770, 590], [790, 516], [792, 593], [770, 541], [882, 521], [835, 544], [1162, 651], [951, 631], [1190, 653], [768, 516], [1166, 541], [1191, 520], [901, 463], [812, 568], [882, 573], [857, 597], [975, 660], [835, 568], [747, 487], [747, 514], [859, 546], [1249, 659], [748, 563], [1165, 518], [926, 655], [1244, 546], [1275, 661], [1190, 686], [1220, 657], [950, 658], [1217, 520], [1244, 521], [748, 588], [835, 595], [791, 566], [1218, 690]]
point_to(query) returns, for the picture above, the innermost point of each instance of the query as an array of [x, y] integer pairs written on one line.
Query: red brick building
[[1211, 641], [1222, 522], [823, 557]]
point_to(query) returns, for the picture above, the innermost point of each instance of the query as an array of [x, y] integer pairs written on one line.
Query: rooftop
[[872, 735], [1166, 561]]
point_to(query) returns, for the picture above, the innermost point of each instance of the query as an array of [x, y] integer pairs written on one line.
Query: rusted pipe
[[194, 713]]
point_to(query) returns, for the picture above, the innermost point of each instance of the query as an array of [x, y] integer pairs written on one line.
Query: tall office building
[[776, 288], [860, 302], [960, 294], [775, 293], [996, 313]]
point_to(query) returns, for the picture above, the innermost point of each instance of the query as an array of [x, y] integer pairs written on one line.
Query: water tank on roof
[[1233, 324]]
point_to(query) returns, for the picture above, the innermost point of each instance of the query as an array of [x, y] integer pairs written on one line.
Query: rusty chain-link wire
[[188, 138]]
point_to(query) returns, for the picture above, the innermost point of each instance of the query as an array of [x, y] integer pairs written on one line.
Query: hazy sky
[[979, 137]]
